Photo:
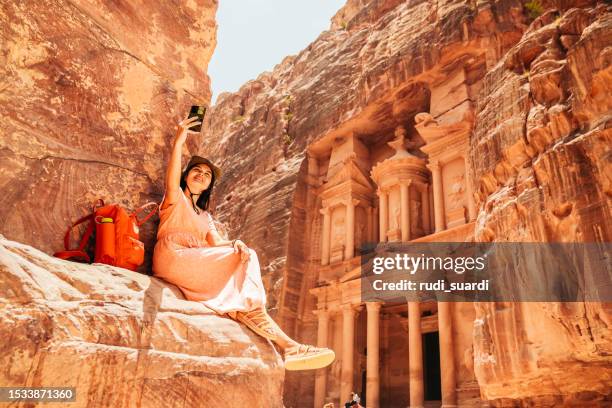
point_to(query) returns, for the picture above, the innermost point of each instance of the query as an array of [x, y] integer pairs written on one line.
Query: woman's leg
[[282, 340], [262, 323], [297, 356]]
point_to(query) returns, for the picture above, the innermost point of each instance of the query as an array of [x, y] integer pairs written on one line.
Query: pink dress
[[214, 276]]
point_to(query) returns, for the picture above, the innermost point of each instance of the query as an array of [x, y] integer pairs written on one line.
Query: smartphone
[[199, 111]]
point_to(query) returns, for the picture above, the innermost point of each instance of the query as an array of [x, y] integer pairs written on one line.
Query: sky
[[255, 35]]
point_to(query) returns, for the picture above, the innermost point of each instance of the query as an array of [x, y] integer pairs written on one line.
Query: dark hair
[[204, 198]]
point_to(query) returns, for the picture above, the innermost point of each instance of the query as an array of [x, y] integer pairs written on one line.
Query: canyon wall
[[541, 152], [365, 75], [89, 96], [375, 69], [533, 81]]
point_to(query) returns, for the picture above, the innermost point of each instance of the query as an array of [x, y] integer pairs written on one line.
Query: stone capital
[[324, 211], [351, 202], [434, 165], [373, 307], [349, 308], [322, 314]]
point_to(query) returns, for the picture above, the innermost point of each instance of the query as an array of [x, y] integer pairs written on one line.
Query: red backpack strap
[[66, 255], [148, 216], [79, 252], [86, 236]]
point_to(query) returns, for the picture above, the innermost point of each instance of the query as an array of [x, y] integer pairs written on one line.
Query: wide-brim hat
[[195, 160]]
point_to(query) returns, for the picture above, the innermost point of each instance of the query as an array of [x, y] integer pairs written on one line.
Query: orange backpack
[[117, 240]]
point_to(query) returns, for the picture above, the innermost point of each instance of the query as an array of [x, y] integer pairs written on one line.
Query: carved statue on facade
[[338, 231], [360, 234], [415, 213], [456, 194], [397, 216]]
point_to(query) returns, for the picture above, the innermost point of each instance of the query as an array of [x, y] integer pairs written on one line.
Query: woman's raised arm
[[173, 173]]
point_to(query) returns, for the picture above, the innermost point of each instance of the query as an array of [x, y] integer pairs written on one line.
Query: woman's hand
[[183, 129], [241, 248]]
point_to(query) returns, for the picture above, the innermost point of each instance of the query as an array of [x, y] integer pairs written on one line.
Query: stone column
[[415, 355], [408, 212], [375, 230], [373, 347], [425, 207], [386, 374], [326, 235], [468, 189], [405, 211], [438, 196], [432, 221], [348, 342], [370, 214], [313, 168], [312, 180], [349, 251], [384, 218], [321, 374], [447, 359]]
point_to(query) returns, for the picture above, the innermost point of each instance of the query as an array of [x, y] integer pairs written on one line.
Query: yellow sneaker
[[306, 357]]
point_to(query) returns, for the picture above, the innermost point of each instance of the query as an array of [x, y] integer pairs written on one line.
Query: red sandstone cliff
[[372, 71], [88, 95], [541, 152], [88, 91], [366, 77], [80, 95], [538, 96]]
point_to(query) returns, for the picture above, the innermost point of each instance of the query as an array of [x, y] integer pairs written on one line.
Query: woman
[[223, 275]]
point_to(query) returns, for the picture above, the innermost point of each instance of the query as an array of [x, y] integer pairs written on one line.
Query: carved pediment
[[350, 172]]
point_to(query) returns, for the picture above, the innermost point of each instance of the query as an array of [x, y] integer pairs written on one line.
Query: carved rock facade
[[427, 121]]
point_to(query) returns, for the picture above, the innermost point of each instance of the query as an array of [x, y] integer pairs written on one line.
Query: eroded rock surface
[[124, 339], [541, 152], [370, 72], [88, 94], [536, 94]]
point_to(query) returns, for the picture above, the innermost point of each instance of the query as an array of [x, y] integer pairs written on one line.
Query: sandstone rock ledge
[[124, 339]]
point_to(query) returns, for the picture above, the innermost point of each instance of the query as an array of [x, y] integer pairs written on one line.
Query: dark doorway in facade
[[363, 396], [431, 366]]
